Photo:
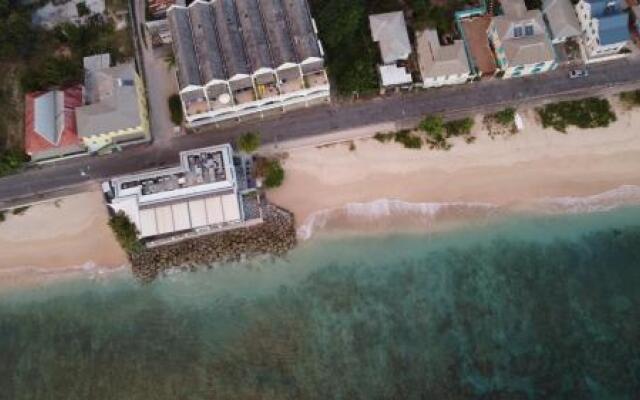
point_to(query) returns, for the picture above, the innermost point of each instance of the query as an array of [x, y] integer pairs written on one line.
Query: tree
[[126, 232], [271, 171], [83, 9], [248, 142], [275, 174], [175, 107]]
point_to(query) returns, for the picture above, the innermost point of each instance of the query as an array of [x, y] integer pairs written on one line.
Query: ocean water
[[539, 307]]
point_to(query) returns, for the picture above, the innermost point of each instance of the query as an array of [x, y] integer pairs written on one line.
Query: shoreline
[[67, 236], [531, 171], [372, 188]]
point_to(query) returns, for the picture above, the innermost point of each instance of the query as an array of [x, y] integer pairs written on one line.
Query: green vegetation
[[248, 142], [438, 131], [630, 99], [433, 127], [351, 54], [20, 210], [405, 137], [384, 137], [343, 27], [437, 14], [501, 122], [459, 127], [32, 59], [3, 214], [273, 173], [126, 232], [175, 108], [408, 139], [83, 10], [533, 4], [11, 160], [587, 113]]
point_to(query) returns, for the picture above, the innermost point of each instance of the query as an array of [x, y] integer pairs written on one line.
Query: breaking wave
[[606, 201], [426, 214]]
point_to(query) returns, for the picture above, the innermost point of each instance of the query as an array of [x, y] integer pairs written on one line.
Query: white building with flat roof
[[241, 58], [201, 194]]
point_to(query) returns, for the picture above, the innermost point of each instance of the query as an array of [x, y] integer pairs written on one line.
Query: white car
[[578, 73]]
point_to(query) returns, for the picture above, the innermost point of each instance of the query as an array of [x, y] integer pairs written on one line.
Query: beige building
[[521, 42], [115, 112], [389, 30], [441, 65]]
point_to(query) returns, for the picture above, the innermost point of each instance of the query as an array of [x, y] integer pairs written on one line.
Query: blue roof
[[614, 29], [599, 7]]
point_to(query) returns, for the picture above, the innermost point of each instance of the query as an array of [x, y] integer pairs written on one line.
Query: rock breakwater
[[275, 236]]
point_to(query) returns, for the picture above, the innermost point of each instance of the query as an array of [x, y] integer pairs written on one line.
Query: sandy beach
[[57, 238], [508, 172]]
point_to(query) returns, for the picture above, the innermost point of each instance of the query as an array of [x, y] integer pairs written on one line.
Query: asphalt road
[[482, 96]]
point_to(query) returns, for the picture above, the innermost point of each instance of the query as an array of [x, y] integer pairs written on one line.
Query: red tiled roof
[[160, 6], [34, 143]]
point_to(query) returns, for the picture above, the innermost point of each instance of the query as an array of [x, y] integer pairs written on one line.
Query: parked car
[[578, 73]]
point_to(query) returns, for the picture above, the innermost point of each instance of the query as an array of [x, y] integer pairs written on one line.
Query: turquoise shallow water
[[527, 308]]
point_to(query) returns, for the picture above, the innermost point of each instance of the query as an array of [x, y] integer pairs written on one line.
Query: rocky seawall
[[275, 236]]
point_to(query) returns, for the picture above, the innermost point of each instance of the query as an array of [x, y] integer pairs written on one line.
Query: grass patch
[[408, 139], [126, 232], [438, 131], [175, 108], [384, 137], [404, 137], [630, 99], [20, 210], [587, 113], [501, 122]]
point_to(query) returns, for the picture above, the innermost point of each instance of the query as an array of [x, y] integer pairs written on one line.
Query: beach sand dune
[[55, 238], [510, 172]]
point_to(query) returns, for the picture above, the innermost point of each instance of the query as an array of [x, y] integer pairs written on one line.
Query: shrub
[[20, 210], [175, 107], [126, 232], [273, 174], [3, 214], [248, 142], [383, 137], [631, 99], [501, 122], [11, 160], [82, 9], [459, 127], [587, 113], [433, 125], [408, 140], [505, 117]]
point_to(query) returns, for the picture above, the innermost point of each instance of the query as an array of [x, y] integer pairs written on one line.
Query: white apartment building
[[237, 58]]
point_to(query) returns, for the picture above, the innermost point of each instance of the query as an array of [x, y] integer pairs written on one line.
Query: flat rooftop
[[200, 192], [476, 37], [200, 171]]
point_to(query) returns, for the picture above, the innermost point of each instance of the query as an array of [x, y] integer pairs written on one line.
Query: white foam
[[382, 208], [601, 202]]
